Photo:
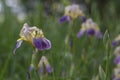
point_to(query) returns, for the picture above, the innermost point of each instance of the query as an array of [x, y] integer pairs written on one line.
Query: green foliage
[[92, 56]]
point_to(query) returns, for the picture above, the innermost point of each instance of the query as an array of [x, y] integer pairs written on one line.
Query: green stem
[[108, 60], [35, 60]]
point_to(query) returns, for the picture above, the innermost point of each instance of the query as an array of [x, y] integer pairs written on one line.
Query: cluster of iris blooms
[[36, 38], [115, 42], [88, 26]]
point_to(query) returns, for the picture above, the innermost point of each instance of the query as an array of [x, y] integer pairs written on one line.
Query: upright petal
[[19, 42], [42, 43]]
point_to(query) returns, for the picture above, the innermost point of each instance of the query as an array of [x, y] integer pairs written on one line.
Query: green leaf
[[102, 74], [106, 37]]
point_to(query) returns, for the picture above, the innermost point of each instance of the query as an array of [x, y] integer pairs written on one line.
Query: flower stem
[[35, 60]]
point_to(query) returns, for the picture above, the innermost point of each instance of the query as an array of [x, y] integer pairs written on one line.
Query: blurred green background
[[90, 53]]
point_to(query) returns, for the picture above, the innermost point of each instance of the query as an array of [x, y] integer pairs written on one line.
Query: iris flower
[[117, 51], [115, 42], [44, 63], [71, 12], [34, 36], [116, 74], [90, 28]]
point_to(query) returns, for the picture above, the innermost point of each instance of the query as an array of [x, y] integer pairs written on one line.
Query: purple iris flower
[[64, 19], [115, 43], [42, 43], [117, 60]]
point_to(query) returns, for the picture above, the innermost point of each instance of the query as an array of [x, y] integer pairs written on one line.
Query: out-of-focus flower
[[44, 62], [117, 51], [58, 7], [90, 28], [115, 42], [117, 73], [34, 36], [117, 60], [71, 12]]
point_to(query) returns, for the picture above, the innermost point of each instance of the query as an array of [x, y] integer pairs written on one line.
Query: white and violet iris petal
[[49, 69], [80, 33], [19, 42], [42, 43], [99, 34]]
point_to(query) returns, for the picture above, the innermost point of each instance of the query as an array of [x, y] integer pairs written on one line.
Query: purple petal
[[42, 43], [117, 60], [64, 19], [99, 34], [115, 43], [17, 45], [49, 69], [90, 32], [80, 33]]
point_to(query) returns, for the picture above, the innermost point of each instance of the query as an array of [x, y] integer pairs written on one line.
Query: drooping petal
[[49, 69], [115, 43], [19, 42], [80, 33], [90, 32], [99, 34], [64, 19], [42, 43]]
